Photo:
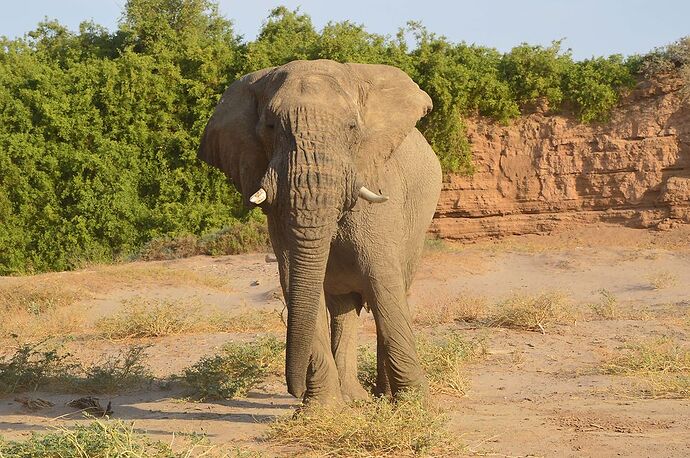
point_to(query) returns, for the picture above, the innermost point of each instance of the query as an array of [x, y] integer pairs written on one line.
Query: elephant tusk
[[371, 196], [258, 197]]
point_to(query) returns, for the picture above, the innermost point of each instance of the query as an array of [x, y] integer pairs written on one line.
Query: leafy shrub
[[30, 368], [594, 86], [236, 369]]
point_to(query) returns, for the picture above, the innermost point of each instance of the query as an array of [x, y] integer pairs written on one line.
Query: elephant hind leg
[[343, 310]]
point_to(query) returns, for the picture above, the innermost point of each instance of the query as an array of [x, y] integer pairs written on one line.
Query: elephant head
[[304, 141]]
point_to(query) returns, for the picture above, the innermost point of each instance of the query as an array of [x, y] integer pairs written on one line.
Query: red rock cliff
[[546, 171]]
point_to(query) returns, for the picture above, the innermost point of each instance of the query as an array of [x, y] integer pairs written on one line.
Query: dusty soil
[[533, 395]]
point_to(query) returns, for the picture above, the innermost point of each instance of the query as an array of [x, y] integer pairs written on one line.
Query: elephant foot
[[353, 391], [330, 397]]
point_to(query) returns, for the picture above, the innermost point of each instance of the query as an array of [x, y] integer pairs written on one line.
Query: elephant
[[349, 186]]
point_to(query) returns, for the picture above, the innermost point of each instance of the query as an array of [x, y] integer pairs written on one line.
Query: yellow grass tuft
[[464, 308], [662, 364], [378, 428], [445, 362], [33, 308], [532, 313], [607, 307], [142, 317]]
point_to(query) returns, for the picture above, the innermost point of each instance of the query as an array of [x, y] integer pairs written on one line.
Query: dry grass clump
[[104, 278], [607, 307], [663, 364], [663, 280], [100, 438], [37, 308], [142, 317], [234, 371], [532, 313], [250, 321], [443, 359], [464, 308], [36, 366], [36, 296], [377, 428]]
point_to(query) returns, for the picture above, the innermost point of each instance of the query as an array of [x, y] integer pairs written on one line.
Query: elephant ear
[[230, 142], [391, 104]]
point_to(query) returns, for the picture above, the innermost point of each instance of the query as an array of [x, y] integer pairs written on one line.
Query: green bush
[[98, 439], [33, 367], [99, 129], [236, 369]]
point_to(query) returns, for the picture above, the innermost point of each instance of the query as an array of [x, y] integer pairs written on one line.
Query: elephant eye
[[352, 125]]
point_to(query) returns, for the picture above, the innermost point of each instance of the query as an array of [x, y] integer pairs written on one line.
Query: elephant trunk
[[306, 274]]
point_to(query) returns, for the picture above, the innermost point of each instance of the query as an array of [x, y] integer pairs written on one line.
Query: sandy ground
[[533, 395]]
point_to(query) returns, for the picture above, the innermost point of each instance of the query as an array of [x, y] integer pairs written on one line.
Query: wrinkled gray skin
[[311, 134]]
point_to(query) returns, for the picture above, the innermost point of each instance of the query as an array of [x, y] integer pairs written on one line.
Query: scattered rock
[[91, 405], [33, 404], [255, 283], [270, 257]]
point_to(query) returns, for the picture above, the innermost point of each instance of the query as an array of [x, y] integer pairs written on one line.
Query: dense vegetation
[[99, 129]]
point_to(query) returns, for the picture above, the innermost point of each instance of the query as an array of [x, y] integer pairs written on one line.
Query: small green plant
[[663, 365], [607, 308], [235, 370], [366, 367], [374, 428], [115, 373], [98, 439], [34, 367]]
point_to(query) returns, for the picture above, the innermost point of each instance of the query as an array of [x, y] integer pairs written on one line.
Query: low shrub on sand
[[235, 370]]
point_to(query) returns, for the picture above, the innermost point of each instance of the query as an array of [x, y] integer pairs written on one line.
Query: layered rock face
[[545, 171]]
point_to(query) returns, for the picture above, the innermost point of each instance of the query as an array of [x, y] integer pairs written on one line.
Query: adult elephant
[[331, 154]]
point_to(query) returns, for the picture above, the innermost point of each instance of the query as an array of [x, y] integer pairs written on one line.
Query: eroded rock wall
[[546, 171]]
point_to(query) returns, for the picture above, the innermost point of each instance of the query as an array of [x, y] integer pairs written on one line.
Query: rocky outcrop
[[545, 171]]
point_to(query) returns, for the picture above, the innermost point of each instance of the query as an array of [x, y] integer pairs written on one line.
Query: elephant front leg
[[343, 310], [395, 341], [323, 384]]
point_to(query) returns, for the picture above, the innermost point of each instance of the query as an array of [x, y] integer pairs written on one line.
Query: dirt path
[[533, 395]]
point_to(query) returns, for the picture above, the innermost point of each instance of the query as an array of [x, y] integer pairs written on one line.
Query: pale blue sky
[[590, 27]]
